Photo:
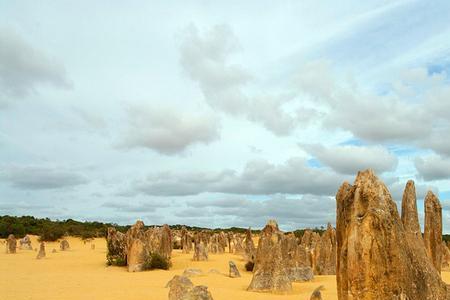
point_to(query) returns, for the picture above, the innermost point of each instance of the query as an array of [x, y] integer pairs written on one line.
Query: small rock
[[64, 245], [182, 288], [317, 295], [193, 272], [41, 253], [234, 272]]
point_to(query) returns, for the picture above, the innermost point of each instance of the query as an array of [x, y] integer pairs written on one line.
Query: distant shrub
[[156, 261], [51, 233], [249, 266]]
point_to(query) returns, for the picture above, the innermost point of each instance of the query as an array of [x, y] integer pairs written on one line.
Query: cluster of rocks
[[276, 262], [136, 248], [182, 288], [381, 255]]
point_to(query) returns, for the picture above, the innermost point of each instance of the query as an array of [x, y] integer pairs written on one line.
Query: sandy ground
[[81, 273]]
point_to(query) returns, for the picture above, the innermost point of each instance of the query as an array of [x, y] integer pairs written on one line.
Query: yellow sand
[[81, 273]]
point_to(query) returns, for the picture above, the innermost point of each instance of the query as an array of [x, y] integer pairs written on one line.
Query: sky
[[219, 113]]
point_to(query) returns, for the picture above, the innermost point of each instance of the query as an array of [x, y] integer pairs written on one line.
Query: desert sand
[[81, 273]]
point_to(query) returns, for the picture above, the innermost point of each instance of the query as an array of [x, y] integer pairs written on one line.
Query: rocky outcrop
[[186, 240], [433, 229], [117, 248], [64, 245], [182, 288], [325, 253], [375, 259], [200, 252], [234, 272], [41, 253], [270, 271], [11, 244], [250, 250], [445, 257], [410, 217], [25, 243]]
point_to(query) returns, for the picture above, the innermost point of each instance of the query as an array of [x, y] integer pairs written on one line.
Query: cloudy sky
[[219, 113]]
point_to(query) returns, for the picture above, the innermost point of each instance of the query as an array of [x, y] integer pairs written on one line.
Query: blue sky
[[219, 114]]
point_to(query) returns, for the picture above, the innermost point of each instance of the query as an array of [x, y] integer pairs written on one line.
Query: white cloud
[[30, 177], [258, 177], [206, 58], [433, 167], [167, 130], [23, 68], [350, 159]]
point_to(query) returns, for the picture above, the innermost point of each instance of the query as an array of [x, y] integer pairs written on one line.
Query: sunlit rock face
[[270, 273], [375, 259], [433, 230]]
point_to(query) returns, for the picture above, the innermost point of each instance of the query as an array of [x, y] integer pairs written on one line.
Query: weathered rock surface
[[182, 288], [200, 252], [186, 240], [410, 217], [375, 259], [270, 270], [250, 250], [325, 253], [11, 244], [64, 245], [234, 272], [192, 272], [41, 253], [433, 230], [445, 257], [300, 274], [316, 294], [25, 243]]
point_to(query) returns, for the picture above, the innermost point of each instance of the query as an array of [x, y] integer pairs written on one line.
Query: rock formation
[[250, 250], [316, 294], [325, 253], [445, 257], [200, 252], [25, 243], [270, 270], [410, 217], [41, 253], [182, 288], [117, 248], [142, 246], [11, 244], [186, 240], [237, 243], [234, 272], [375, 259], [433, 229], [64, 245]]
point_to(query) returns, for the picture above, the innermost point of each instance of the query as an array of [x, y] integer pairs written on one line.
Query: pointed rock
[[375, 260], [41, 253], [433, 229], [270, 271], [410, 217], [11, 244]]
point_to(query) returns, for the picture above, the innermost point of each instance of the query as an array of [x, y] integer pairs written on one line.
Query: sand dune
[[81, 273]]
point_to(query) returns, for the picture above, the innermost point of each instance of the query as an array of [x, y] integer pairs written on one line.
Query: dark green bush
[[51, 233], [156, 261]]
